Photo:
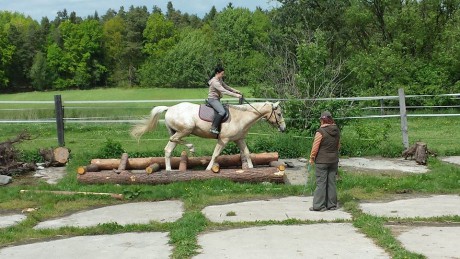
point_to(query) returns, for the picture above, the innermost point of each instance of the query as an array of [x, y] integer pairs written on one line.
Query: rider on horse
[[217, 88]]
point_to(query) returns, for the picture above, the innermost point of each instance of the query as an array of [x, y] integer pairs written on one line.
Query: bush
[[111, 149]]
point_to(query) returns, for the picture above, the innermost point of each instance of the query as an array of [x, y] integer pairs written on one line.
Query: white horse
[[182, 120]]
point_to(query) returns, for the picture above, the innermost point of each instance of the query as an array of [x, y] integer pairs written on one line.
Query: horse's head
[[276, 117]]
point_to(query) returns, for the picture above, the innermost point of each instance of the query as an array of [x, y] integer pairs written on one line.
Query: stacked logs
[[151, 170]]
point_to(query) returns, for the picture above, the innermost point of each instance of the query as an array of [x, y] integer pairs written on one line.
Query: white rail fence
[[62, 107]]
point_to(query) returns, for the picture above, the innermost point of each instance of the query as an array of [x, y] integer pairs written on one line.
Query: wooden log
[[278, 164], [55, 157], [87, 168], [123, 162], [113, 195], [215, 168], [254, 175], [155, 167], [224, 161], [183, 161], [421, 153]]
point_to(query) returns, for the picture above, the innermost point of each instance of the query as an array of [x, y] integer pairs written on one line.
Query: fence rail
[[60, 107]]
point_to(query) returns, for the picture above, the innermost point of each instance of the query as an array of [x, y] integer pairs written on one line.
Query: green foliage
[[304, 114], [231, 149], [286, 145], [76, 61], [188, 62], [111, 149], [369, 139]]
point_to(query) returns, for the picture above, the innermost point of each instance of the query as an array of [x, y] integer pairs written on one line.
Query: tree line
[[301, 49]]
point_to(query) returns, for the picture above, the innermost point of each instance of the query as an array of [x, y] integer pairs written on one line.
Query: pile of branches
[[9, 156]]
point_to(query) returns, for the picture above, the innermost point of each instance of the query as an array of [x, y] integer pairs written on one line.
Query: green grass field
[[363, 137]]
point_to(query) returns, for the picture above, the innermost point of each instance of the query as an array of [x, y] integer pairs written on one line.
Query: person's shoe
[[214, 131], [320, 210], [333, 208]]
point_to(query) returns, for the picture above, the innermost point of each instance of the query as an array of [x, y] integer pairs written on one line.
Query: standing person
[[217, 88], [325, 154]]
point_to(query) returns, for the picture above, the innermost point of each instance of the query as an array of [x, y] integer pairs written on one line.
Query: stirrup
[[215, 131]]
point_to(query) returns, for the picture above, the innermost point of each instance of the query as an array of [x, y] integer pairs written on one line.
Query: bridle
[[271, 114], [276, 118]]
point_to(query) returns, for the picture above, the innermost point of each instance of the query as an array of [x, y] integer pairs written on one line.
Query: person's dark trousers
[[217, 105], [326, 190]]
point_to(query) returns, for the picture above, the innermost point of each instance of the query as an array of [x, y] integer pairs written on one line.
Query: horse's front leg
[[245, 151], [219, 147]]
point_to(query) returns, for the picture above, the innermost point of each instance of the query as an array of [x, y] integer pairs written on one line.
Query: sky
[[49, 8]]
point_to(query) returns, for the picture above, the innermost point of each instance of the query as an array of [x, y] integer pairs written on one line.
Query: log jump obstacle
[[150, 170]]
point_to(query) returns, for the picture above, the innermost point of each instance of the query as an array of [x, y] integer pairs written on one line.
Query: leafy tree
[[77, 61], [41, 78], [240, 36], [160, 35], [6, 54], [187, 63], [116, 51], [136, 21]]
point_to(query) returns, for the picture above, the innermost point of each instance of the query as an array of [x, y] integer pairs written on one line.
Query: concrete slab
[[432, 242], [127, 245], [10, 220], [331, 240], [296, 175], [51, 175], [434, 206], [274, 209], [451, 159], [123, 214], [383, 164]]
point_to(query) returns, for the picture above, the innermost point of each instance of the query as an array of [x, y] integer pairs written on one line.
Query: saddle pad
[[206, 113]]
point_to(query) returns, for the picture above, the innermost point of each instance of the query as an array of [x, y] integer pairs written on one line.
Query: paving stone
[[432, 242], [10, 220], [434, 206], [273, 209], [127, 245], [380, 164], [123, 214], [331, 240]]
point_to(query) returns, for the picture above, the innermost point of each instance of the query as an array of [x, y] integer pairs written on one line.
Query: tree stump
[[421, 153], [55, 157]]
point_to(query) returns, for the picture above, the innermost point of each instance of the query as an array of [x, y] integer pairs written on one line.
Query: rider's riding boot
[[216, 123]]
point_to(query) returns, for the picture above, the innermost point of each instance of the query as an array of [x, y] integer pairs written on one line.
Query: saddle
[[206, 112]]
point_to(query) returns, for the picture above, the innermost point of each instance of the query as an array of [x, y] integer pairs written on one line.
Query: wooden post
[[403, 114], [59, 119], [183, 161]]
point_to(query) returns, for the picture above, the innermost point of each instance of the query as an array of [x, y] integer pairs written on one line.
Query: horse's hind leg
[[168, 150], [175, 139], [245, 151]]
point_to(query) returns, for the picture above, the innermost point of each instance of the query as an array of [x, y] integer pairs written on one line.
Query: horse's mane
[[242, 107]]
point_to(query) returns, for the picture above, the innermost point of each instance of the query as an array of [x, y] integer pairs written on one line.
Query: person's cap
[[325, 114]]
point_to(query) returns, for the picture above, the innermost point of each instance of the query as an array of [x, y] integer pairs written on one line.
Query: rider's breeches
[[217, 105]]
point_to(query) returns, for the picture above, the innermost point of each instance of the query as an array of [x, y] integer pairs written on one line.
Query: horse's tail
[[149, 123]]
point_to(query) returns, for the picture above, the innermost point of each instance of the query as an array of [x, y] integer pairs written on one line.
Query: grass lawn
[[365, 137]]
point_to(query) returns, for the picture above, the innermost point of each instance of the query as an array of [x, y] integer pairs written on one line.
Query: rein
[[271, 114], [246, 101]]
